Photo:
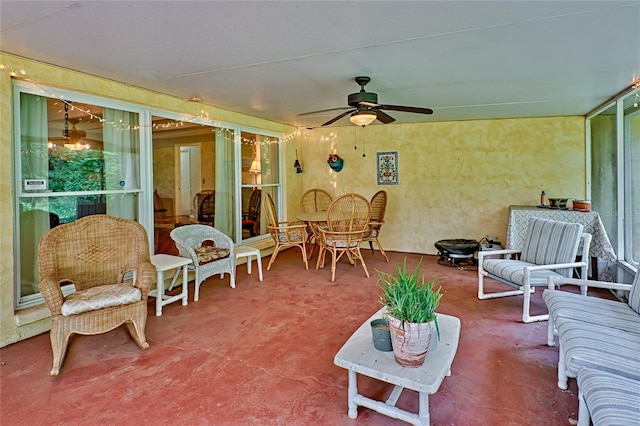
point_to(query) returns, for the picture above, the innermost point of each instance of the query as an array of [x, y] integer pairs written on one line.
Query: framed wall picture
[[387, 164]]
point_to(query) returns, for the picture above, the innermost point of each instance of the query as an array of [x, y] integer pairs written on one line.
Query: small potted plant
[[411, 304]]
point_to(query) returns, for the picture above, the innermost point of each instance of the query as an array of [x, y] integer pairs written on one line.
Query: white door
[[189, 178]]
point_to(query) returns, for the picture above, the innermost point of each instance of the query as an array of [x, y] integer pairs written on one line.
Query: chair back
[[349, 213], [378, 206], [315, 200], [92, 251], [549, 242], [253, 211], [206, 207], [271, 212]]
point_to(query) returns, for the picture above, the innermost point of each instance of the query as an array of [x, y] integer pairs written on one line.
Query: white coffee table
[[359, 356], [163, 263]]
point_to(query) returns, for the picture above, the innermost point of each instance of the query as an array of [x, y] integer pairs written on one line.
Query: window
[[73, 159], [196, 167], [77, 155], [613, 133]]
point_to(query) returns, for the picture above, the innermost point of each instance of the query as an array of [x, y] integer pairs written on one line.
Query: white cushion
[[99, 297]]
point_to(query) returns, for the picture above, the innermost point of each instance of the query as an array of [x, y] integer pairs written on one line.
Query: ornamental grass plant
[[408, 297]]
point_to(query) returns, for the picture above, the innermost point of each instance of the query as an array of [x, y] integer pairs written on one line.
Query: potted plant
[[411, 304]]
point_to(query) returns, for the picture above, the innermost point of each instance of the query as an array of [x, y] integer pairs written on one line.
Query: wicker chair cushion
[[342, 244], [99, 297], [293, 235], [208, 254]]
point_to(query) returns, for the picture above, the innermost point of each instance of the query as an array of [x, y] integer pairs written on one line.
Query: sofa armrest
[[482, 254], [553, 282]]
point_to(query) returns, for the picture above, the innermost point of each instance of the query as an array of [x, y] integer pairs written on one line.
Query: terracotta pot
[[410, 341], [582, 205]]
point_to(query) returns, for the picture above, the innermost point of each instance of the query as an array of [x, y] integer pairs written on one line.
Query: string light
[[202, 117]]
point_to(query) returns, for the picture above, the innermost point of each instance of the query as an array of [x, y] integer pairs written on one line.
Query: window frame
[[145, 190], [624, 175]]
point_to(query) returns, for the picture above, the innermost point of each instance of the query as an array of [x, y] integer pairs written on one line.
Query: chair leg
[[321, 257], [584, 417], [526, 307], [136, 329], [273, 256], [381, 249], [551, 332], [304, 256], [334, 259], [59, 343], [196, 293], [364, 266], [562, 370]]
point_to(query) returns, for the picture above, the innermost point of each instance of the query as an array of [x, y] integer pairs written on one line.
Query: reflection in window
[[76, 160]]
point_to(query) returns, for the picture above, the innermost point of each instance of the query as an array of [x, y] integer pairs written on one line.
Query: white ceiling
[[275, 60]]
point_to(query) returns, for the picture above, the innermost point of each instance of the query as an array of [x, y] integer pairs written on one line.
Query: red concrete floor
[[262, 354]]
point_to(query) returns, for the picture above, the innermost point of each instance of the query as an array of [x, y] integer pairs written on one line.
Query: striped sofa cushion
[[608, 398], [594, 310], [587, 345], [634, 294], [548, 241], [511, 271]]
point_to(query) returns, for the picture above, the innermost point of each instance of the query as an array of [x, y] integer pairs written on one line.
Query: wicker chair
[[210, 250], [315, 200], [107, 260], [347, 224], [285, 234], [378, 208]]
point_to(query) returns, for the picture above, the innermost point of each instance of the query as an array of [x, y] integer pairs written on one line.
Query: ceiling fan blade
[[417, 110], [324, 110], [384, 118], [369, 104], [344, 114]]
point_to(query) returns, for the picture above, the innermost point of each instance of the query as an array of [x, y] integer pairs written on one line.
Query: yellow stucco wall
[[456, 179]]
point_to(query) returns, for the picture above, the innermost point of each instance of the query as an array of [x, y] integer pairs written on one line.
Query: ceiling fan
[[364, 107]]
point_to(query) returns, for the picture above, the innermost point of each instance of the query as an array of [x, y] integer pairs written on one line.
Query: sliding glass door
[[72, 159], [76, 155]]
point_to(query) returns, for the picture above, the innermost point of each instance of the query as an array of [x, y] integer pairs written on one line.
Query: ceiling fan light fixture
[[363, 118]]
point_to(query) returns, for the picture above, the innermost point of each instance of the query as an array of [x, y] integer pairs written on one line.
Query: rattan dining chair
[[285, 234], [378, 208], [315, 200], [107, 260], [347, 223]]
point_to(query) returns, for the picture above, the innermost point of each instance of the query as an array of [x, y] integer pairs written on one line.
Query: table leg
[[395, 394], [353, 391], [185, 285], [424, 409], [249, 264], [259, 266], [159, 292]]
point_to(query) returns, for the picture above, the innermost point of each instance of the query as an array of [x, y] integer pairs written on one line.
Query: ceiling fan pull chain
[[355, 138]]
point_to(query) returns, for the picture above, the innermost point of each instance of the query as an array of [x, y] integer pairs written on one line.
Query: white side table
[[248, 251], [163, 263]]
